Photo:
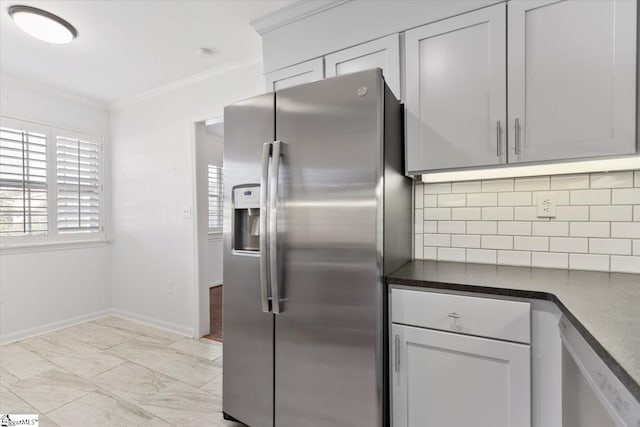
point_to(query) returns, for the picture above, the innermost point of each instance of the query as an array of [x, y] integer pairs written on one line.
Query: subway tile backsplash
[[596, 227]]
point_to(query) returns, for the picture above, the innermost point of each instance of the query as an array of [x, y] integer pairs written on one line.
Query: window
[[50, 184], [215, 198]]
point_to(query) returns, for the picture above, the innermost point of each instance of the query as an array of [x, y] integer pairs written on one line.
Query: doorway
[[209, 148]]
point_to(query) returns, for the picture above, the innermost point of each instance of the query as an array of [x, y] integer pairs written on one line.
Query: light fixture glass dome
[[43, 25]]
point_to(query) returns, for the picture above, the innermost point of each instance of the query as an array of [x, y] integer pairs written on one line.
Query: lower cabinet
[[442, 378]]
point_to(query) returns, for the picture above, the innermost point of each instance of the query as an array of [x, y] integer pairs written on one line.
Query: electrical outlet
[[186, 212], [170, 287], [546, 204]]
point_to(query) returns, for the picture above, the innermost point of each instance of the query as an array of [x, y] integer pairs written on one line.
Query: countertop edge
[[616, 368]]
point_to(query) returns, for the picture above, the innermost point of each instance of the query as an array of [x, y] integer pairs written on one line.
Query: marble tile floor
[[113, 372]]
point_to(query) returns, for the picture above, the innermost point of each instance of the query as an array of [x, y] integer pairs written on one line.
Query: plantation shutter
[[215, 198], [78, 184], [23, 179]]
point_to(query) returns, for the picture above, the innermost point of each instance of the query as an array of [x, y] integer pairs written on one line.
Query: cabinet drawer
[[487, 317]]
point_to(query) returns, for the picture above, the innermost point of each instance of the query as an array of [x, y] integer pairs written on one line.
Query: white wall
[[42, 289], [153, 182]]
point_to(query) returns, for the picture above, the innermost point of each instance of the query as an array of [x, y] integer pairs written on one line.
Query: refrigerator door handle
[[264, 261], [273, 228]]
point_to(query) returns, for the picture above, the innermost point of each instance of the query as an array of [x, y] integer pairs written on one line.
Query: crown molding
[[179, 84], [294, 12]]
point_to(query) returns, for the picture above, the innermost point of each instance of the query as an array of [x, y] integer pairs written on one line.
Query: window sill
[[51, 246], [215, 235]]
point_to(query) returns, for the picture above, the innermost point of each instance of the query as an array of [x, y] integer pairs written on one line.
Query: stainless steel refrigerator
[[317, 211]]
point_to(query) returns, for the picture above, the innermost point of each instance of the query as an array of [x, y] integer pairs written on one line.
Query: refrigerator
[[317, 210]]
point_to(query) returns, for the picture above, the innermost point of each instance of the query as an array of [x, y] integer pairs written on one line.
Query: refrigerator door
[[328, 355], [248, 330]]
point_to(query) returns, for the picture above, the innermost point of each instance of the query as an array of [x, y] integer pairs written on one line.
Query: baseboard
[[50, 327], [156, 323]]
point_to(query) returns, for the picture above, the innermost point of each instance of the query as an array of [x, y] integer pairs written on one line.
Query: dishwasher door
[[592, 396]]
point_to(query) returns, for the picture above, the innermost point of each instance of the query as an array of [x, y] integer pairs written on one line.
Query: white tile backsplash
[[497, 213], [629, 230], [452, 227], [590, 229], [526, 243], [569, 182], [482, 199], [482, 256], [610, 246], [589, 262], [625, 264], [437, 188], [437, 213], [451, 254], [449, 200], [514, 258], [532, 183], [496, 242], [569, 244], [466, 214], [514, 198], [497, 185], [626, 196], [466, 187], [612, 179], [596, 227], [514, 228], [590, 197], [549, 260]]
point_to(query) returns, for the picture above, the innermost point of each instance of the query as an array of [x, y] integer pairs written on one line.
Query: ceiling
[[127, 47]]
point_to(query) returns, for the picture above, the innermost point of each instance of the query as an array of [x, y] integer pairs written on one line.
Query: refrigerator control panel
[[246, 197]]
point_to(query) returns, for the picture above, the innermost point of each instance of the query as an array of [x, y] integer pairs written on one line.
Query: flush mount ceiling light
[[42, 25]]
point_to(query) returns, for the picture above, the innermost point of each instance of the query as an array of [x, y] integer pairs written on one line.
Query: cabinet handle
[[397, 360], [499, 139], [517, 126], [454, 315]]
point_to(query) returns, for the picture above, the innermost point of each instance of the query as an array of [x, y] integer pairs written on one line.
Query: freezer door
[[248, 331], [328, 368]]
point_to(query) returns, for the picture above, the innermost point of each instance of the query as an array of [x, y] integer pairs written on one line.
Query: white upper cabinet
[[382, 53], [294, 75], [456, 91], [572, 79]]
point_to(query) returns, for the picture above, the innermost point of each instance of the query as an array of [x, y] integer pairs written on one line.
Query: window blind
[[23, 182], [215, 197], [78, 185]]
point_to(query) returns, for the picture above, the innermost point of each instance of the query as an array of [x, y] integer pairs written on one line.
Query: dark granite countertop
[[604, 307]]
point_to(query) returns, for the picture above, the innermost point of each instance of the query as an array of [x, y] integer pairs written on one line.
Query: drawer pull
[[454, 315]]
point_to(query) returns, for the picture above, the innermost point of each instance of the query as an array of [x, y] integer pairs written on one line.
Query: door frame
[[201, 316]]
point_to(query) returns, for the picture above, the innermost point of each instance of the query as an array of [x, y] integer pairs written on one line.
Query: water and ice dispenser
[[246, 218]]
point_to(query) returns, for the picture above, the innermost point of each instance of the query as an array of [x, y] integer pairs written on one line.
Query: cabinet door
[[572, 79], [456, 91], [305, 72], [381, 53], [453, 380]]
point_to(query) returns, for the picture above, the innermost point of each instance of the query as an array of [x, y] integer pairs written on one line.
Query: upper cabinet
[[456, 91], [571, 68], [572, 79], [485, 82], [304, 72], [382, 53]]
